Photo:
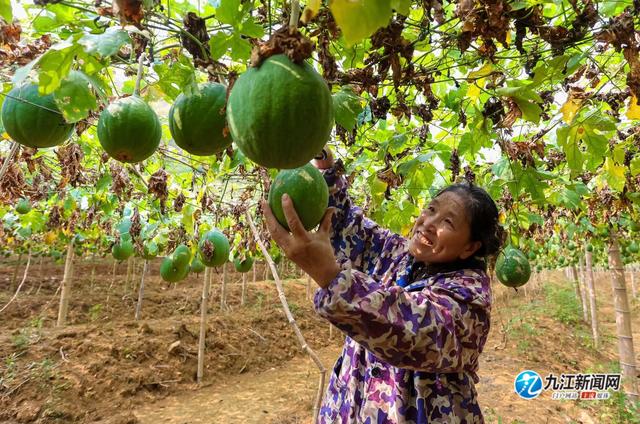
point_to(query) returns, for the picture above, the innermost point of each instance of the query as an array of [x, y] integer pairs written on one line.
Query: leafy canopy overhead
[[535, 100]]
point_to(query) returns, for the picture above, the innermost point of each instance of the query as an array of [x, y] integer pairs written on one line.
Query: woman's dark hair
[[483, 217]]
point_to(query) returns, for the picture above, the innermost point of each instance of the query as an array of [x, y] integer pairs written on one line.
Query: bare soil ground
[[105, 367], [536, 331], [104, 364]]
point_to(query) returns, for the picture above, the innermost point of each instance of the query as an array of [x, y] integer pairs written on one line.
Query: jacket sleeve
[[438, 329], [355, 237]]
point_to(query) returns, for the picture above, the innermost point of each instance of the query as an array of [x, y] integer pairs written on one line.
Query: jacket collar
[[421, 270]]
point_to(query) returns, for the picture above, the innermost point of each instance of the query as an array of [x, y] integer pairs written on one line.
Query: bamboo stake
[[125, 286], [24, 278], [308, 287], [67, 279], [15, 271], [592, 297], [583, 292], [113, 273], [203, 323], [5, 164], [141, 290], [633, 282], [573, 275], [40, 276], [113, 280], [243, 298], [33, 287], [210, 289], [223, 288], [534, 283], [39, 286], [290, 318], [93, 271], [623, 320], [134, 281], [539, 280]]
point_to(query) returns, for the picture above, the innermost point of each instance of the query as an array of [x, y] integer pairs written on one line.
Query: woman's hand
[[311, 251]]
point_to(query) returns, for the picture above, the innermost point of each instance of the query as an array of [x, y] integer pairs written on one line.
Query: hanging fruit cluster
[[279, 113]]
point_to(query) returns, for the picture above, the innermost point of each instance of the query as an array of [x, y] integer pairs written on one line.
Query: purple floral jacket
[[411, 353]]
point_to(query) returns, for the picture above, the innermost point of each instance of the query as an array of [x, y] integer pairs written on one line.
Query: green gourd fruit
[[129, 130], [198, 122], [280, 114], [307, 189], [33, 120]]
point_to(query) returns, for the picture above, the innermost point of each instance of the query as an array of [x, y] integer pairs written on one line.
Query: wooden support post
[[67, 280], [203, 324], [623, 320], [243, 298], [291, 319], [141, 290], [223, 288], [592, 298]]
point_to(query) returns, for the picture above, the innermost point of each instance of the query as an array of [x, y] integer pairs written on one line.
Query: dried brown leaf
[[129, 11], [291, 43]]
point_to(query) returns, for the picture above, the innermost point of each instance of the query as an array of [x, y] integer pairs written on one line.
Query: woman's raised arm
[[353, 236], [437, 329]]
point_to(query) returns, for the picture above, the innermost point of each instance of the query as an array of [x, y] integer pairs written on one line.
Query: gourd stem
[[295, 15], [137, 174], [136, 90]]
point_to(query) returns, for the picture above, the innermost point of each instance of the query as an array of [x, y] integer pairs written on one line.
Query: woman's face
[[442, 232]]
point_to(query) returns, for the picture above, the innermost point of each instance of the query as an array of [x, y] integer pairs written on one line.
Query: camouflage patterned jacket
[[411, 353]]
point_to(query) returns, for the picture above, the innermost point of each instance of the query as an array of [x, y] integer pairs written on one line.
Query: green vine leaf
[[74, 97], [531, 181], [229, 12], [403, 7], [614, 174], [526, 100], [106, 44], [176, 77], [219, 44], [251, 29], [347, 106], [360, 18], [55, 65], [240, 48], [187, 218], [476, 138], [635, 166], [589, 132], [6, 11]]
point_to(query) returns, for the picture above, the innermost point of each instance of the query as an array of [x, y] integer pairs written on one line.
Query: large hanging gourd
[[33, 120], [280, 114]]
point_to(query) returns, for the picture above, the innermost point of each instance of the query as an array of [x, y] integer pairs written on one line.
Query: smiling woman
[[415, 311], [442, 232]]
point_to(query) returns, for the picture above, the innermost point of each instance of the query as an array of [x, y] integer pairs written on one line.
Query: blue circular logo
[[528, 384]]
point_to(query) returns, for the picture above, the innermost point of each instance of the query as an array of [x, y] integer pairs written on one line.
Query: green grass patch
[[620, 410], [562, 304]]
